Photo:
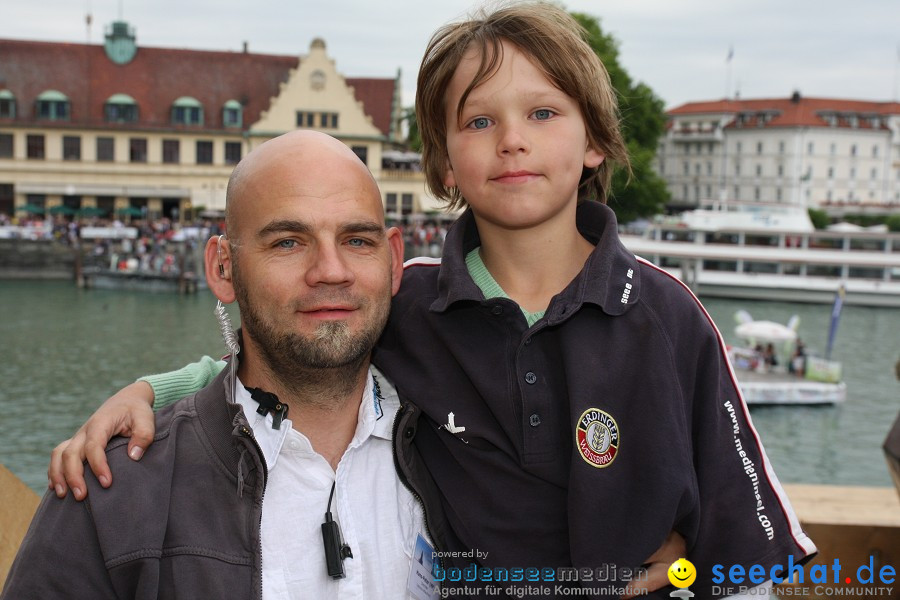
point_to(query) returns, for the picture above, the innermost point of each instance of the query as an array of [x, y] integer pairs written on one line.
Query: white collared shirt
[[378, 516]]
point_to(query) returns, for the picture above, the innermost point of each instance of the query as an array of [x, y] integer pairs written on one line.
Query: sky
[[822, 48]]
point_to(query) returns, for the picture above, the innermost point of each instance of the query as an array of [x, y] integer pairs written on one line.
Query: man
[[313, 269]]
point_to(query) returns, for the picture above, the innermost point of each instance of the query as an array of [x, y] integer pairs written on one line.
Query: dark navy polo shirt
[[591, 435]]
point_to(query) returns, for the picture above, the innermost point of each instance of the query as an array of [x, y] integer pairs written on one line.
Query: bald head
[[296, 164]]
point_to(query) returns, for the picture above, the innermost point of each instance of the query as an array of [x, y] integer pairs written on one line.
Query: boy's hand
[[128, 412], [659, 562]]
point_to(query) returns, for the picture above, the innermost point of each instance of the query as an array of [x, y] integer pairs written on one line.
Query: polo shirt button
[[530, 378], [535, 420], [496, 310]]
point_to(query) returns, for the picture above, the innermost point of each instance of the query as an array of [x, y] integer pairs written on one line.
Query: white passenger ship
[[772, 252]]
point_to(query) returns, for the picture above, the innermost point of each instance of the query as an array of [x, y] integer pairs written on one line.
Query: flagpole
[[728, 72]]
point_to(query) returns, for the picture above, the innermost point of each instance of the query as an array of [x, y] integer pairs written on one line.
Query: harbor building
[[840, 156], [120, 128]]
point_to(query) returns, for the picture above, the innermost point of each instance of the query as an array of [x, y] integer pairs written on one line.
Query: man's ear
[[395, 242], [217, 260]]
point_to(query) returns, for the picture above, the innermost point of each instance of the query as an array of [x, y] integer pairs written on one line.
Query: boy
[[566, 404]]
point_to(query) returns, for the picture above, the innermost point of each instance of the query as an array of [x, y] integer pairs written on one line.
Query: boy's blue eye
[[543, 114], [480, 123]]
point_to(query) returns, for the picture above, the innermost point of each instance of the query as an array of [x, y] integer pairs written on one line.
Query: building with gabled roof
[[834, 154], [123, 128]]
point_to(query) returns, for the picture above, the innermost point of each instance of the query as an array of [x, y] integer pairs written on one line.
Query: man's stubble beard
[[328, 361]]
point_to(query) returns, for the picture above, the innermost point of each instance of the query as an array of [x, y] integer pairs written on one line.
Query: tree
[[643, 122], [819, 218], [413, 139]]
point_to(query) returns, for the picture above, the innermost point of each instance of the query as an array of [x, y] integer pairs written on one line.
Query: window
[[853, 150], [687, 168], [232, 153], [232, 114], [830, 172], [756, 193], [6, 145], [781, 147], [204, 153], [780, 170], [809, 148], [71, 147], [7, 105], [874, 151], [305, 119], [778, 194], [171, 151], [328, 120], [120, 108], [390, 202], [7, 198], [35, 145], [362, 152], [687, 148], [697, 168], [874, 174], [737, 168], [137, 150], [758, 170], [187, 111], [709, 168], [852, 172], [52, 106], [759, 147], [106, 149], [738, 148], [406, 206], [832, 149]]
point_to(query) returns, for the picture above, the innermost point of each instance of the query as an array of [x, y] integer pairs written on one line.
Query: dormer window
[[187, 111], [120, 108], [53, 106], [7, 105], [232, 114]]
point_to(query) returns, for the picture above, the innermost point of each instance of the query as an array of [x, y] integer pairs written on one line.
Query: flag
[[835, 317]]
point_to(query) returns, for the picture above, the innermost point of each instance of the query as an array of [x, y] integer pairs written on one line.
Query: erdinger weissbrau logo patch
[[597, 437]]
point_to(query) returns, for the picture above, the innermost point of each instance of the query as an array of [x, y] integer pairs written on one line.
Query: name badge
[[421, 584]]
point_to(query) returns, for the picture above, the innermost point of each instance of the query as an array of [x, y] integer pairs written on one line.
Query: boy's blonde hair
[[555, 43]]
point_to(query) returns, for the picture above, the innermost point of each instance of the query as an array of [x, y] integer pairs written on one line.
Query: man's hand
[[128, 412], [658, 564]]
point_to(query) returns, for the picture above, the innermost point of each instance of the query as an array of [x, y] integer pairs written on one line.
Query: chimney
[[795, 97], [246, 47]]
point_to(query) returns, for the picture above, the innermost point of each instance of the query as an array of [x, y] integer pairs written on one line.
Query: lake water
[[63, 350]]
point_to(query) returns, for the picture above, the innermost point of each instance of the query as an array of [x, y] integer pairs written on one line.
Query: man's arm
[[127, 413]]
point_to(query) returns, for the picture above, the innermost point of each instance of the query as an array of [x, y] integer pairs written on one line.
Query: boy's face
[[517, 152]]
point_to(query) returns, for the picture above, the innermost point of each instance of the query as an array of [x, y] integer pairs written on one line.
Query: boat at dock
[[774, 367], [772, 252]]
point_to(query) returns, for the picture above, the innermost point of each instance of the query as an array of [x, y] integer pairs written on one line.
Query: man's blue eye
[[357, 242], [543, 114], [287, 244], [480, 123]]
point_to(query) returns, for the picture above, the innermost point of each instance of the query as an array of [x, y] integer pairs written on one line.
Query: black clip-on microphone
[[335, 548]]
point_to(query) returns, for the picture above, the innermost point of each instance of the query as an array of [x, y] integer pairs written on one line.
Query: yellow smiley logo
[[682, 573]]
